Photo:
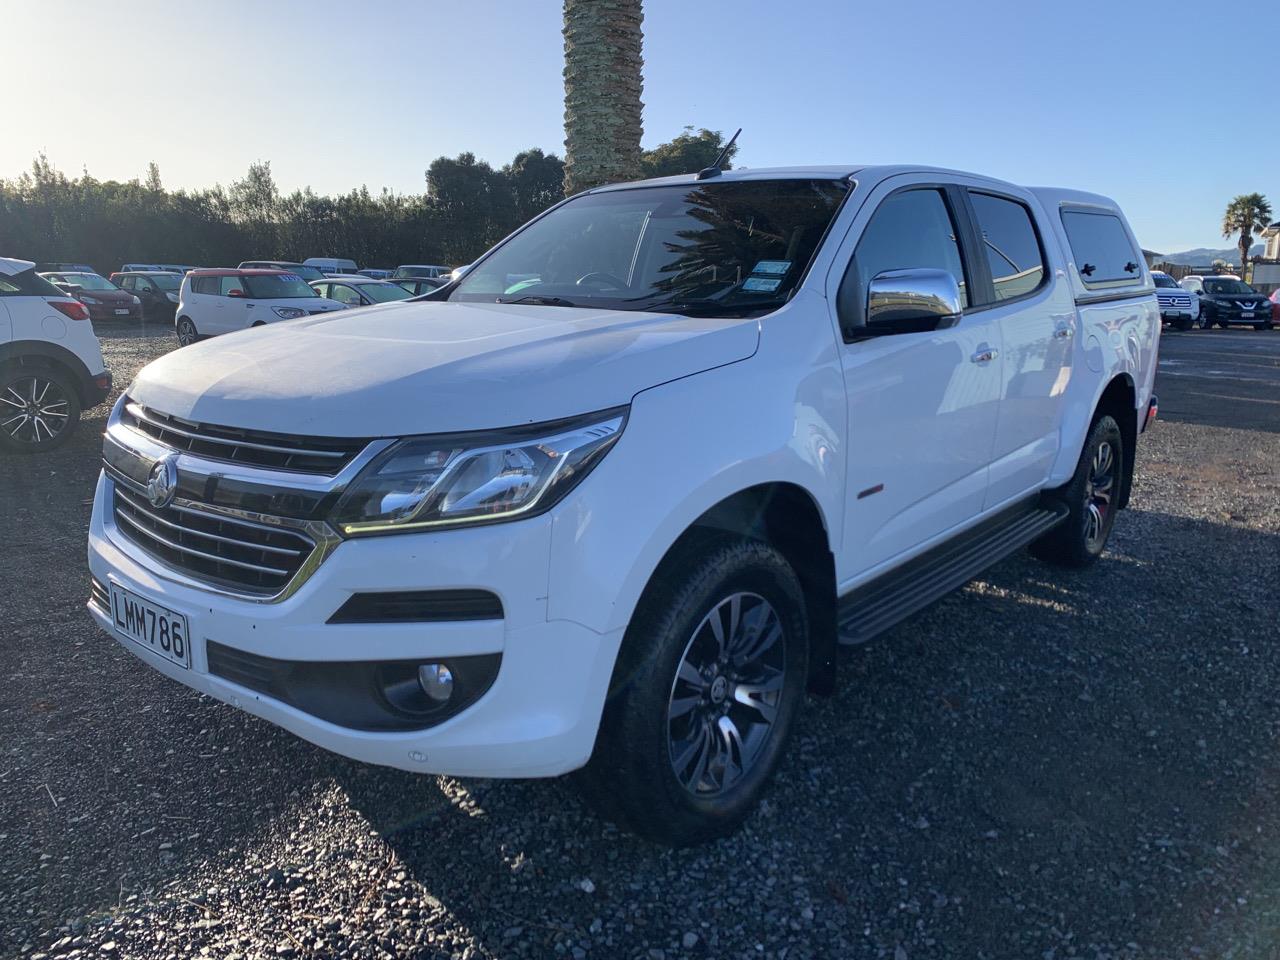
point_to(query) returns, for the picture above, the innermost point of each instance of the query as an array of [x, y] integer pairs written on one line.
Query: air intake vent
[[419, 606]]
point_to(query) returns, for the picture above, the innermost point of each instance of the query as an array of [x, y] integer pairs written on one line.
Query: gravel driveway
[[1043, 765]]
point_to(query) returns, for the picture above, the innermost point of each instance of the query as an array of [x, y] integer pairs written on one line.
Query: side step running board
[[876, 606]]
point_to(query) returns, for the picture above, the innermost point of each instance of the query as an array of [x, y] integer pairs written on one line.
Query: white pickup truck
[[611, 500]]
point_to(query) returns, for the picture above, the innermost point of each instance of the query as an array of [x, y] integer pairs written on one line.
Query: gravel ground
[[1042, 765]]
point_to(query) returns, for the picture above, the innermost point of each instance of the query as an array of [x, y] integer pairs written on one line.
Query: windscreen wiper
[[712, 308], [540, 301]]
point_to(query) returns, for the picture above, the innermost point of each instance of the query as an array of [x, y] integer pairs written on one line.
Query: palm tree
[[1243, 215], [602, 86]]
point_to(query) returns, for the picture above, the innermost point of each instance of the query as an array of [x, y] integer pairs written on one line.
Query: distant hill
[[1202, 256]]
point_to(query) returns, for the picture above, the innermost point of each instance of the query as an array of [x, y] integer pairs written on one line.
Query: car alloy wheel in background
[[187, 334], [38, 409]]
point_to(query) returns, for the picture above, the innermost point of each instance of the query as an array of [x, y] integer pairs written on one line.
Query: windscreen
[[88, 281], [384, 292], [1162, 280], [166, 281], [1224, 285], [276, 286], [733, 246]]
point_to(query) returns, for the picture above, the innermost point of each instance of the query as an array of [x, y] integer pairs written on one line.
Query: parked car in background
[[215, 301], [50, 362], [1228, 300], [64, 268], [1195, 281], [428, 270], [373, 273], [357, 291], [420, 285], [620, 518], [457, 273], [307, 273], [177, 268], [156, 289], [331, 265], [1178, 306], [105, 300]]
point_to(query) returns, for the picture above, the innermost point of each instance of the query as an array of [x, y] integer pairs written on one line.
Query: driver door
[[922, 403]]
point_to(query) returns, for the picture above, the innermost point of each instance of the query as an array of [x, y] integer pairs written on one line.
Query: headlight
[[289, 313], [446, 480], [173, 297]]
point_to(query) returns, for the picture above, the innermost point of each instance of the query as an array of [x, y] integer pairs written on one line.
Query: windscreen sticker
[[761, 284], [772, 268]]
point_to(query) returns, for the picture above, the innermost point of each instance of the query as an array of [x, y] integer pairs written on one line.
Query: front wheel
[[1091, 497], [704, 694], [1182, 323], [187, 333], [39, 408], [1262, 326]]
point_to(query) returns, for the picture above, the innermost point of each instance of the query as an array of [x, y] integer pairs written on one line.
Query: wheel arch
[[1119, 400], [787, 517], [43, 353]]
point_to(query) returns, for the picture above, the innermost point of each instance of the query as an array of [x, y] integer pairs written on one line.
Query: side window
[[230, 283], [205, 285], [912, 229], [143, 285], [344, 294], [1101, 248], [126, 283], [1011, 244]]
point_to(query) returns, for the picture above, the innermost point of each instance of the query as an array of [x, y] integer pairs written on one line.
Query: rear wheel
[[187, 333], [39, 408], [704, 694], [1091, 499]]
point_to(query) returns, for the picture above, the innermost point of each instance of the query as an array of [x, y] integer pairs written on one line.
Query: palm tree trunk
[[602, 87], [1246, 241]]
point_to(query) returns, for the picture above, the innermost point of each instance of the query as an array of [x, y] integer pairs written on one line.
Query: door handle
[[984, 355]]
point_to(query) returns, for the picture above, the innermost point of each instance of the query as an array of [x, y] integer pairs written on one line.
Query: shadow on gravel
[[1048, 759]]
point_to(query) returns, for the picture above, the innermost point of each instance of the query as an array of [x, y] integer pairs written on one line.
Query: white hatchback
[[218, 301], [50, 361]]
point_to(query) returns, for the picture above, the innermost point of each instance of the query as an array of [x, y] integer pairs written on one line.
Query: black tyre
[[1183, 323], [707, 685], [187, 333], [1262, 326], [1091, 499], [39, 408]]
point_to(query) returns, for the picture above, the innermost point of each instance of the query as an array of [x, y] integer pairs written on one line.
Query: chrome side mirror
[[912, 301]]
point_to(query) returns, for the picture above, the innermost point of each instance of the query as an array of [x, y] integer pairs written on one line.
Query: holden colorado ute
[[610, 501]]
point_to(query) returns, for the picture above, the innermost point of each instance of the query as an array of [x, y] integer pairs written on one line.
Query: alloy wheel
[[33, 409], [726, 693], [186, 332], [1098, 494]]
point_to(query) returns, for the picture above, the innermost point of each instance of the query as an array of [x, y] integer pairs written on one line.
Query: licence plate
[[122, 311], [156, 628], [1246, 314]]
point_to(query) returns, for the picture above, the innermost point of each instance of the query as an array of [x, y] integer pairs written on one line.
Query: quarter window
[[1102, 250], [205, 285], [1011, 245]]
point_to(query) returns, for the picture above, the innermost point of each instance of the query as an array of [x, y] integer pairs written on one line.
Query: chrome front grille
[[1174, 300], [244, 555], [325, 456]]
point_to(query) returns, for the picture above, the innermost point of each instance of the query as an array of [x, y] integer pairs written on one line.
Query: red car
[[1275, 308], [104, 299]]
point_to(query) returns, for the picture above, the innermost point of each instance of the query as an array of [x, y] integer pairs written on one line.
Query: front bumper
[[538, 718]]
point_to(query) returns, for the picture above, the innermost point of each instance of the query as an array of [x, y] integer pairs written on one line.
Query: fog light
[[436, 681]]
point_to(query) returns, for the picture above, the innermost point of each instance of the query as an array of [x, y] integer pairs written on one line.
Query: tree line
[[468, 205]]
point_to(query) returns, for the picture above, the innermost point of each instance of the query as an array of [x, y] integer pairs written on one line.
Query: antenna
[[714, 170]]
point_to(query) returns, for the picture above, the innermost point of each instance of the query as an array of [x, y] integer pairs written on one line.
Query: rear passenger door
[[922, 405], [1017, 288]]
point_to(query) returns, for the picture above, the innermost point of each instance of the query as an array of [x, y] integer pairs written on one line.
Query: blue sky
[[1102, 96]]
